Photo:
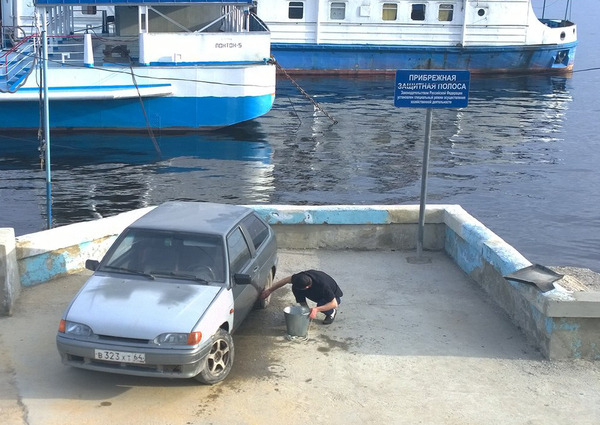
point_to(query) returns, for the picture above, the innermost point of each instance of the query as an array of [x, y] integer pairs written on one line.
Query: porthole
[[481, 12], [562, 35]]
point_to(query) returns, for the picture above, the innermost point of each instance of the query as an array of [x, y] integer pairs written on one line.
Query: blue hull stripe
[[364, 58], [230, 63], [126, 114], [92, 88]]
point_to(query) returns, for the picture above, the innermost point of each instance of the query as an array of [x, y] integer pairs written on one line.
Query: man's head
[[301, 281]]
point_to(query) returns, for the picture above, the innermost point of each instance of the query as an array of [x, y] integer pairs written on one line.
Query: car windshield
[[180, 256]]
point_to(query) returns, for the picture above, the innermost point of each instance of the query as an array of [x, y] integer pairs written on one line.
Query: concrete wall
[[48, 254], [561, 323], [10, 283], [354, 227]]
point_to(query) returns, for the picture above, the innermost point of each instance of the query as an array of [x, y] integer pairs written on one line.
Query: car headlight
[[75, 329], [172, 338]]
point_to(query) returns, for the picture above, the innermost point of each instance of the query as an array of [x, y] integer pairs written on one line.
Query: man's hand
[[264, 294], [313, 313]]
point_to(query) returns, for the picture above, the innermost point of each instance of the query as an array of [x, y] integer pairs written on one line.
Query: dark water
[[522, 158]]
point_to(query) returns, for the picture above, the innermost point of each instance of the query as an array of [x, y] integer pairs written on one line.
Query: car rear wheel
[[264, 303], [220, 359]]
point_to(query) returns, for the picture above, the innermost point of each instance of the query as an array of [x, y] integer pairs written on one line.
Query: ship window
[[338, 11], [446, 12], [88, 10], [418, 12], [296, 10], [390, 12]]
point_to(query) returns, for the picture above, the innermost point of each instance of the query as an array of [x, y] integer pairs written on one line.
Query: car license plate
[[119, 356]]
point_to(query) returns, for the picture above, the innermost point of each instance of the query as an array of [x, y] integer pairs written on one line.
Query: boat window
[[390, 12], [446, 12], [296, 10], [417, 12], [338, 11], [88, 10]]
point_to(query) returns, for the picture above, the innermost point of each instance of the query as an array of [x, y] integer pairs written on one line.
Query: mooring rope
[[301, 90], [148, 126]]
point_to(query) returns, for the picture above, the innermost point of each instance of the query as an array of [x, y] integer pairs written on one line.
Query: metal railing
[[18, 60]]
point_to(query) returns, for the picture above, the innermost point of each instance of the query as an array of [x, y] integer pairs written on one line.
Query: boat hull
[[174, 98], [165, 113], [308, 58]]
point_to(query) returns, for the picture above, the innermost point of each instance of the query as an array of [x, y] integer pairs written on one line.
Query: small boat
[[136, 64], [368, 36]]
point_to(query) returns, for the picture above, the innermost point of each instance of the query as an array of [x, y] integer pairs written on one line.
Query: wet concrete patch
[[333, 344]]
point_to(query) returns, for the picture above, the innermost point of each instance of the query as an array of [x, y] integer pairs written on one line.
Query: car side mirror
[[242, 279], [92, 265]]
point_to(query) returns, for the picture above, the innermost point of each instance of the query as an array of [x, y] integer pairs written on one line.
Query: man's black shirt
[[323, 288]]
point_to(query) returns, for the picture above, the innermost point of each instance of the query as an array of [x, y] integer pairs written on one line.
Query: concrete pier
[[561, 323], [412, 344]]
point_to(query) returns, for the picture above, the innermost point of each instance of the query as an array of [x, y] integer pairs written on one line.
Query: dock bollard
[[88, 51]]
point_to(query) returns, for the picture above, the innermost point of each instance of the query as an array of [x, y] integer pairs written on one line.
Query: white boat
[[378, 36], [130, 65]]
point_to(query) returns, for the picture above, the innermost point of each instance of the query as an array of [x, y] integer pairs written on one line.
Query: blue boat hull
[[375, 59], [167, 113]]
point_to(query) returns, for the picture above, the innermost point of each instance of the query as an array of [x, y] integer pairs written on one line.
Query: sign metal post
[[429, 89]]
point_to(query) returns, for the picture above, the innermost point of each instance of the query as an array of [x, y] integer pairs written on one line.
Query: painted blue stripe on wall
[[314, 216], [42, 268], [466, 256], [475, 234], [505, 259]]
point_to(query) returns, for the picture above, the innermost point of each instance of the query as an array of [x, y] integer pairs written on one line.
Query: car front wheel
[[220, 359]]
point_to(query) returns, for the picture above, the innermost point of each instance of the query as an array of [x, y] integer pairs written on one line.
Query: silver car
[[169, 293]]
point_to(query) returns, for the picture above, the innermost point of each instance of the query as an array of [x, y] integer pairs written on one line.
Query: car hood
[[140, 308]]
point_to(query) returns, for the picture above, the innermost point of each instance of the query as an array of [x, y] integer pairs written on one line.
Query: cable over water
[[301, 90]]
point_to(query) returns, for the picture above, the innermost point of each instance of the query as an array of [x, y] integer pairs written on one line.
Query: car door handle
[[255, 269]]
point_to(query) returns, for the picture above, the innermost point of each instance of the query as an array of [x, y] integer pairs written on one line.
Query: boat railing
[[235, 20], [72, 50], [256, 24], [18, 60], [11, 35]]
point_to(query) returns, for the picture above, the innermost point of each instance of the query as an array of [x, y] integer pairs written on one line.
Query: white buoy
[[88, 51]]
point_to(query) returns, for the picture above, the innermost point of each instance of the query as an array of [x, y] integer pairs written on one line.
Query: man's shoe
[[330, 318]]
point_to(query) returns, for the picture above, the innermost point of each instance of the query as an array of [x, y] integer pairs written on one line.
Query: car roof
[[194, 217]]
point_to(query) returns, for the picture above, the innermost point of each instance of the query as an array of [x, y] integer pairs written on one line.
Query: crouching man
[[316, 286]]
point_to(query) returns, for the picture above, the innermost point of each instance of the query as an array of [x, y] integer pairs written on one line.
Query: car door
[[263, 242], [241, 262]]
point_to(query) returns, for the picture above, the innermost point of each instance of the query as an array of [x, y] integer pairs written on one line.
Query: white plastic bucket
[[296, 320]]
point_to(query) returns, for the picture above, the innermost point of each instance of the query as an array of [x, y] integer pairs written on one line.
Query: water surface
[[522, 158]]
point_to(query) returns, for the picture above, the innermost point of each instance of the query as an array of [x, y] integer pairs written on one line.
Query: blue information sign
[[431, 89]]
